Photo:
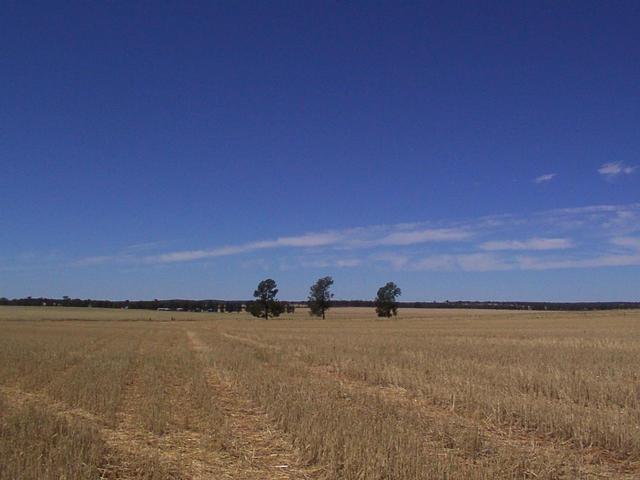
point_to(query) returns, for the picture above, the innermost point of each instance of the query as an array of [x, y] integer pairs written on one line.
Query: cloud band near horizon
[[592, 236]]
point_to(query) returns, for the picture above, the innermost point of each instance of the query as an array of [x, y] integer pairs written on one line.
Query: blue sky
[[464, 150]]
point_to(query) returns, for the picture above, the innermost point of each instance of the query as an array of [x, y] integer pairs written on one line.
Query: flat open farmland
[[434, 394]]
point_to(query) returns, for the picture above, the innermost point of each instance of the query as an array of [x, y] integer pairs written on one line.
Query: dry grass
[[433, 395], [37, 444]]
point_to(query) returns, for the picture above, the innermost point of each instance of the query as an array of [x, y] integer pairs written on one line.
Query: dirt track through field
[[584, 463], [133, 452], [256, 450], [267, 453], [176, 452]]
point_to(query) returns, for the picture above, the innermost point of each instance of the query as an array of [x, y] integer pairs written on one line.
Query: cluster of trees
[[266, 303], [319, 300]]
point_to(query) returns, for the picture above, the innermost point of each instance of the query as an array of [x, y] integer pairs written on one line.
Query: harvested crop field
[[434, 394]]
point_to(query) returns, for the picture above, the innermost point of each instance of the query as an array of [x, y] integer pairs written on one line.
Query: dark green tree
[[320, 297], [266, 303], [385, 302]]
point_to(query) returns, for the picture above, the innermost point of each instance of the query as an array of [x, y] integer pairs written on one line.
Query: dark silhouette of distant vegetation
[[229, 306], [488, 305], [319, 299], [385, 301], [221, 306]]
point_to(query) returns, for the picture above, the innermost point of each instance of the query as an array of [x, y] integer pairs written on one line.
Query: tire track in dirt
[[590, 462], [176, 453], [265, 452]]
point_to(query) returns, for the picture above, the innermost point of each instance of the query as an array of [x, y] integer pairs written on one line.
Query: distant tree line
[[556, 306], [220, 306], [319, 298]]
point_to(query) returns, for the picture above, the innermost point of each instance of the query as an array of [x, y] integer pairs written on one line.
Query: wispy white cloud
[[583, 237], [348, 262], [604, 220], [545, 178], [307, 240], [482, 262], [421, 236], [613, 169], [444, 261], [470, 262], [531, 244], [354, 238], [533, 263], [102, 259], [147, 245], [397, 261], [625, 222], [627, 242], [589, 209], [328, 262]]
